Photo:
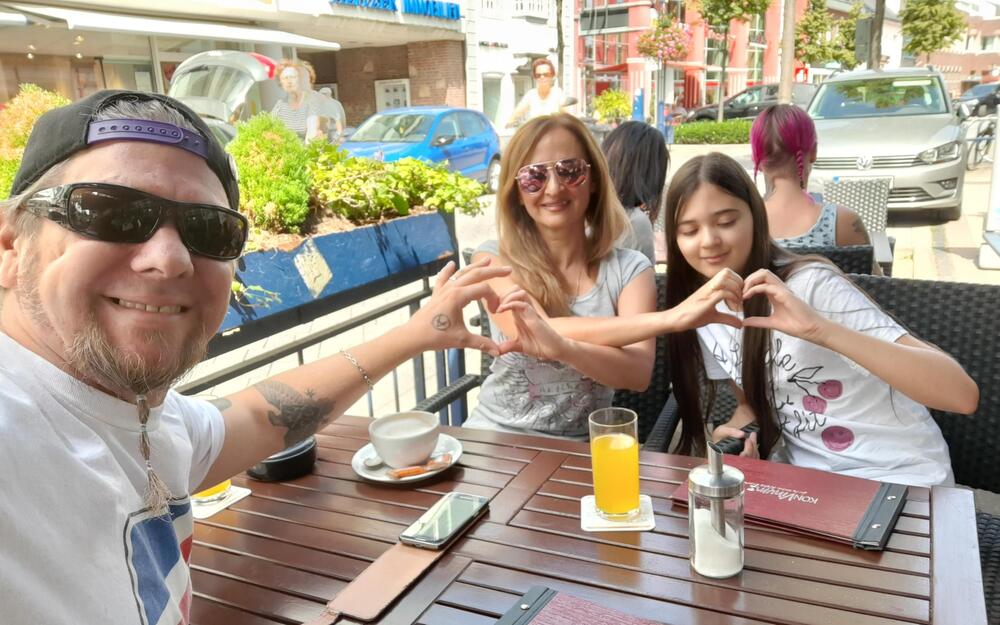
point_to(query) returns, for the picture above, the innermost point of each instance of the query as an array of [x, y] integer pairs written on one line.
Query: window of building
[[713, 52], [492, 8], [531, 8], [755, 64], [756, 34], [673, 8]]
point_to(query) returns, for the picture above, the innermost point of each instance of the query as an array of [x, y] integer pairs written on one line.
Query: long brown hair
[[522, 246], [687, 366]]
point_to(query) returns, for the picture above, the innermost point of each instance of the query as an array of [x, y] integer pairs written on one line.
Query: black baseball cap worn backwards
[[62, 132]]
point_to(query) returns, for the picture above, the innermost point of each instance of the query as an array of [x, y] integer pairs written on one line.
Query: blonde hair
[[304, 68], [522, 246]]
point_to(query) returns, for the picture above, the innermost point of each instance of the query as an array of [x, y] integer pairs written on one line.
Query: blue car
[[462, 137]]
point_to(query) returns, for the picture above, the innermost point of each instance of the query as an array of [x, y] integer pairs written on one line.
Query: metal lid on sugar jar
[[715, 480]]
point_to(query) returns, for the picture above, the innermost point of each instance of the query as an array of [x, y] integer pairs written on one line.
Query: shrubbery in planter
[[274, 169], [363, 190], [729, 131], [16, 121]]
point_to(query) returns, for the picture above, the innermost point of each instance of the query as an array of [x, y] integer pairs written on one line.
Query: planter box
[[328, 272]]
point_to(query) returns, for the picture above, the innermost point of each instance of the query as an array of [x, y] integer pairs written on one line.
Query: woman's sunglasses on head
[[117, 214], [572, 172]]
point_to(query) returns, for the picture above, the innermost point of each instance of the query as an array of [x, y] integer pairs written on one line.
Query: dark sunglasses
[[108, 212], [546, 75], [572, 172]]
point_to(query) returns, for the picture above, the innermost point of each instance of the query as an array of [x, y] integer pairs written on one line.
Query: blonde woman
[[558, 218]]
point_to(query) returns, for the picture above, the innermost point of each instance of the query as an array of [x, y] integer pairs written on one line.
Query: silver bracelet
[[357, 365]]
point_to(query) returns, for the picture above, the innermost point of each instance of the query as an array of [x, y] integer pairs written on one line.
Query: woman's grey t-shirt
[[525, 394], [640, 237]]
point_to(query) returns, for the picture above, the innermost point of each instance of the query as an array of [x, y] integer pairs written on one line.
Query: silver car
[[897, 124]]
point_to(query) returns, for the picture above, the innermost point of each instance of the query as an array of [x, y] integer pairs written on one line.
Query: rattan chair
[[869, 198], [850, 258]]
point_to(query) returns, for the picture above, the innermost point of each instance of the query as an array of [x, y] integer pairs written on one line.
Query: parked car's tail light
[[946, 152]]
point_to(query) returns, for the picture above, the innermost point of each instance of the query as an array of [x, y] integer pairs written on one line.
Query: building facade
[[608, 55], [372, 53], [503, 38]]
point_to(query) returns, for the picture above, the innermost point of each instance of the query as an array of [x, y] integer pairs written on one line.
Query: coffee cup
[[406, 438]]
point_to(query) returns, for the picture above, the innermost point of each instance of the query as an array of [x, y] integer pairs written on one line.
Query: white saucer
[[446, 444], [592, 521]]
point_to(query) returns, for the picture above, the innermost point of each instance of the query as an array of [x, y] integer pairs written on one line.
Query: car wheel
[[493, 175], [952, 213]]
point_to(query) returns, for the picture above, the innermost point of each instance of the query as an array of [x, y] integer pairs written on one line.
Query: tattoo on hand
[[302, 414], [221, 403], [441, 322]]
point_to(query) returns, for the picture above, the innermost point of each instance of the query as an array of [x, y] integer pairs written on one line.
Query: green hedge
[[729, 131]]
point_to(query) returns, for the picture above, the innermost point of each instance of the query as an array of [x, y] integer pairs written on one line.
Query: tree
[[930, 25], [717, 15], [847, 29], [815, 40]]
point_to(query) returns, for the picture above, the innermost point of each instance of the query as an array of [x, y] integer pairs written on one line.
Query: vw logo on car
[[864, 162]]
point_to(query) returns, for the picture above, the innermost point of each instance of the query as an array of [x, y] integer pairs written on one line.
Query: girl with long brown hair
[[833, 381]]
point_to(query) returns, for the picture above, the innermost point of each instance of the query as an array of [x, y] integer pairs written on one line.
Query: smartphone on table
[[445, 521]]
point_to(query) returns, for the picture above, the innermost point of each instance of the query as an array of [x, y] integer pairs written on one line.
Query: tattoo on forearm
[[302, 414], [221, 403], [858, 226], [441, 322]]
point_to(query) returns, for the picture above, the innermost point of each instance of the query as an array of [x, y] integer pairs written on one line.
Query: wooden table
[[279, 555]]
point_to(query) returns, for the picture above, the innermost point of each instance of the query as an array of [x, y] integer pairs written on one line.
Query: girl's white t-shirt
[[834, 414]]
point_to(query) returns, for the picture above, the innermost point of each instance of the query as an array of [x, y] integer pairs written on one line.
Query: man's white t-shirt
[[834, 414], [77, 545]]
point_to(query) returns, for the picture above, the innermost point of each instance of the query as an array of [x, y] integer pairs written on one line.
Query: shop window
[[491, 98]]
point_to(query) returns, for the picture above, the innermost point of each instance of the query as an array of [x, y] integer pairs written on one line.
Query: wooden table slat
[[207, 612], [259, 601]]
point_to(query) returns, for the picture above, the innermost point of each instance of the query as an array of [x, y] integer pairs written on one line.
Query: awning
[[189, 29], [12, 19]]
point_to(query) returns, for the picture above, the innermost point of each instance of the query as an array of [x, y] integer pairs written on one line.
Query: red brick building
[[972, 59], [607, 50]]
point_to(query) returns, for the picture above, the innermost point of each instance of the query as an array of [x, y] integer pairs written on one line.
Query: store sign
[[381, 5], [433, 8], [427, 8]]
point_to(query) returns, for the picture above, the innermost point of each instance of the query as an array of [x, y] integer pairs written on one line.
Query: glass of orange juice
[[614, 452], [212, 494]]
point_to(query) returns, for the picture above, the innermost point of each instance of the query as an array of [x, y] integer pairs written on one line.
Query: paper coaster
[[203, 511], [592, 521]]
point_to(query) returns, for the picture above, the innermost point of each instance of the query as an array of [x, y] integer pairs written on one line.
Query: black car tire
[[493, 175]]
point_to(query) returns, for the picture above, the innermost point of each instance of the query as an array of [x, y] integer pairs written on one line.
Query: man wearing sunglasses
[[116, 262], [545, 99]]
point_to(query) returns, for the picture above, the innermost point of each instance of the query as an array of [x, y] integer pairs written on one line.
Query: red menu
[[819, 503]]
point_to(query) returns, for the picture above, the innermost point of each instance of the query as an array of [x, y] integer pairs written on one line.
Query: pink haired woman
[[783, 145]]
